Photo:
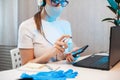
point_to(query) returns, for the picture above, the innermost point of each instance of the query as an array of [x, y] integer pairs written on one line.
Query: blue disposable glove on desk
[[51, 75]]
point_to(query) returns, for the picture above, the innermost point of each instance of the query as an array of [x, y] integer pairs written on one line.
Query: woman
[[43, 37]]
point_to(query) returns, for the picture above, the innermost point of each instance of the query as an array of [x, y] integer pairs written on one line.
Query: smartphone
[[79, 51]]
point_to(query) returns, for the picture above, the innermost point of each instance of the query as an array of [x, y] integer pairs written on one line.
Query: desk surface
[[83, 73]]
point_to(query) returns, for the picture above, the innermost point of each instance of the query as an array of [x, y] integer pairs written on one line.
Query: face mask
[[53, 12]]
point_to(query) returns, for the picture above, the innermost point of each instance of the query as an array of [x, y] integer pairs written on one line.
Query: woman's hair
[[37, 17]]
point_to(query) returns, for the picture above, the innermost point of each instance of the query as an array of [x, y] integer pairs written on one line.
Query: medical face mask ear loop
[[47, 41], [41, 3]]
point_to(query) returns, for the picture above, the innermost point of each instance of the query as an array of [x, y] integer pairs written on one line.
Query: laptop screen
[[114, 46]]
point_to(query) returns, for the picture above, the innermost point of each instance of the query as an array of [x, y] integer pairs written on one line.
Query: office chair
[[15, 57]]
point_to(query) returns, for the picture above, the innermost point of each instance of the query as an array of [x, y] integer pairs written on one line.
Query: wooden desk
[[83, 73]]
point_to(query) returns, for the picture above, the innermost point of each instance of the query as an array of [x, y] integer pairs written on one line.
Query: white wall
[[1, 7], [8, 22], [85, 17], [26, 9]]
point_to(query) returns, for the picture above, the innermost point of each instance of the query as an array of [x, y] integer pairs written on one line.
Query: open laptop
[[104, 62]]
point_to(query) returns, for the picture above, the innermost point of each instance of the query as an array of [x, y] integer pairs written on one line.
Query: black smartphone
[[79, 51]]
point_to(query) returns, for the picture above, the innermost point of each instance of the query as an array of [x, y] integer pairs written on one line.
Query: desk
[[83, 73]]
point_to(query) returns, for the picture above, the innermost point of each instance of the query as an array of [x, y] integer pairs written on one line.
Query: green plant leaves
[[117, 22], [114, 11], [115, 8], [113, 4], [112, 20], [119, 12], [106, 19]]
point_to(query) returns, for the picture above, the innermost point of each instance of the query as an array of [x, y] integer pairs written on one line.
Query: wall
[[85, 18], [26, 9], [8, 22], [1, 7]]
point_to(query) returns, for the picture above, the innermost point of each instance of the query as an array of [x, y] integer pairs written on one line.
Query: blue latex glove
[[70, 74], [51, 75]]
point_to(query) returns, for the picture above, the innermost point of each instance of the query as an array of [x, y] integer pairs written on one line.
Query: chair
[[15, 57]]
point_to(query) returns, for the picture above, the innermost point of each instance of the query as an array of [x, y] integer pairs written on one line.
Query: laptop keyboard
[[94, 61]]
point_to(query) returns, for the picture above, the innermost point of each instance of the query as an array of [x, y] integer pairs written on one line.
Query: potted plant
[[114, 6]]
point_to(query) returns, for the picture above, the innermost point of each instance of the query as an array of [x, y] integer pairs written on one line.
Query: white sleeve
[[25, 37]]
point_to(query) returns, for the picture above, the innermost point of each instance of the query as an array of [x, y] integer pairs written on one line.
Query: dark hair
[[37, 17]]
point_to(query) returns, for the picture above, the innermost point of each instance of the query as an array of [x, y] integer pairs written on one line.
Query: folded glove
[[51, 75]]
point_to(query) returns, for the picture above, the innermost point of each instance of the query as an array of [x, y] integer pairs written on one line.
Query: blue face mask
[[53, 12]]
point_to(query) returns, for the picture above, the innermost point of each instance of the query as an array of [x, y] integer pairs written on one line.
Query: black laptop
[[104, 62]]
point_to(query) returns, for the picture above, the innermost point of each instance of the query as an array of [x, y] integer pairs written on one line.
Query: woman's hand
[[60, 45], [69, 56]]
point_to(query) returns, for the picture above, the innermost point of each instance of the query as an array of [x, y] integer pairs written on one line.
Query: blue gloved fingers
[[68, 71], [41, 77], [24, 75], [36, 77], [59, 73], [45, 73], [52, 73], [70, 74], [73, 75]]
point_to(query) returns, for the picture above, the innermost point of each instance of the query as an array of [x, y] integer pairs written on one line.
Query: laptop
[[104, 62]]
